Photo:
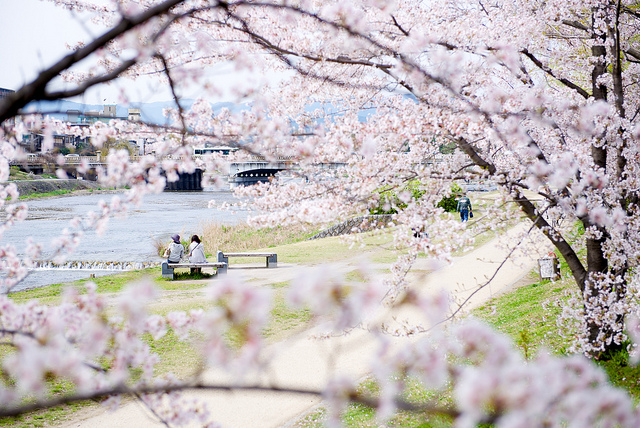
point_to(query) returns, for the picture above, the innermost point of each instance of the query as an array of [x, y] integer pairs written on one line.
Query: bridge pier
[[186, 182]]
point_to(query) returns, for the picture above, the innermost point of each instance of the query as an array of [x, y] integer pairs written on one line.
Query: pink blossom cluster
[[372, 97]]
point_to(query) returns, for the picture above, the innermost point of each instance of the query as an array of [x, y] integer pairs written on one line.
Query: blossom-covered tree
[[538, 96]]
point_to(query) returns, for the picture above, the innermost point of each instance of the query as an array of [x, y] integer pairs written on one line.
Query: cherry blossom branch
[[565, 249], [530, 211], [36, 90], [123, 390], [488, 281], [89, 83], [176, 98], [140, 399], [397, 24], [472, 152], [576, 24], [550, 72]]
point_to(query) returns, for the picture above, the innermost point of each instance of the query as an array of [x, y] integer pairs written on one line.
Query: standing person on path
[[175, 251], [196, 251], [464, 208]]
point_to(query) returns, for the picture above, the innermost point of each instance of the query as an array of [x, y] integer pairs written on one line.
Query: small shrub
[[450, 203], [390, 203]]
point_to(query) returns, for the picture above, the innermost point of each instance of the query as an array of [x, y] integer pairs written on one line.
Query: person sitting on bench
[[175, 251], [196, 251]]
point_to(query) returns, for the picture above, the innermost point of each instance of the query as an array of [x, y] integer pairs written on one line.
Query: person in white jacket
[[196, 250]]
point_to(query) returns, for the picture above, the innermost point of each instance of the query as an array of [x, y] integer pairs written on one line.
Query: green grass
[[45, 194], [525, 316], [361, 416], [44, 418], [181, 276], [284, 320], [176, 356], [519, 314], [16, 174], [317, 251], [105, 284]]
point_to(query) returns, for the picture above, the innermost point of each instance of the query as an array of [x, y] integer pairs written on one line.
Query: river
[[127, 239]]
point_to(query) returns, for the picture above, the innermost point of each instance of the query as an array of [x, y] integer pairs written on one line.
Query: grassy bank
[[30, 189], [45, 194], [525, 315], [180, 357], [240, 237]]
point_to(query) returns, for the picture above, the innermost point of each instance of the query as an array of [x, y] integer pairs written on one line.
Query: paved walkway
[[307, 363]]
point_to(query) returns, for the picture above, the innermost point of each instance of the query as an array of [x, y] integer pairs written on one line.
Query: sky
[[34, 35]]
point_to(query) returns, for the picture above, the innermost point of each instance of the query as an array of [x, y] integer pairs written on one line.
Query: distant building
[[135, 114], [109, 110], [108, 113], [32, 143]]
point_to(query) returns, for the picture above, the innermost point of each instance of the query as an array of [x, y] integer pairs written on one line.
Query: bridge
[[254, 171], [244, 173], [42, 164], [259, 170]]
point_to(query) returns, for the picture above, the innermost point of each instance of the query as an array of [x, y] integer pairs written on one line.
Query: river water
[[127, 239]]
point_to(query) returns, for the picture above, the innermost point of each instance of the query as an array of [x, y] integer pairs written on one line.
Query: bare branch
[[576, 24], [89, 83], [37, 89], [176, 98], [547, 70], [395, 22], [473, 153], [634, 53]]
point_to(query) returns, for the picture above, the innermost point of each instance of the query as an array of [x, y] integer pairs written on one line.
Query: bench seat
[[167, 268], [272, 258]]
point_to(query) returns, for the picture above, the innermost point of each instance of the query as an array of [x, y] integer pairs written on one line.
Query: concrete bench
[[167, 268], [272, 258]]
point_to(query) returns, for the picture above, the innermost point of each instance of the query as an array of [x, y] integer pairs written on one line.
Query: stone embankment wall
[[356, 224], [28, 187]]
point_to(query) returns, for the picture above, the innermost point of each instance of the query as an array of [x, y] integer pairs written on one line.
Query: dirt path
[[303, 362]]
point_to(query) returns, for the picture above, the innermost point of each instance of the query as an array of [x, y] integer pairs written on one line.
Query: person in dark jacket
[[464, 208]]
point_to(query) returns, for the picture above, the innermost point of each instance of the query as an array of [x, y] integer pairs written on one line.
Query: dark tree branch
[[395, 22], [633, 53], [282, 53], [617, 64], [550, 72], [629, 11], [176, 98], [139, 391], [575, 265], [79, 90], [37, 89], [576, 24], [473, 153]]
